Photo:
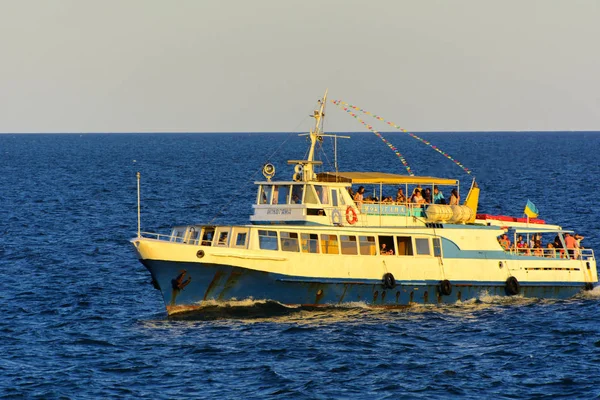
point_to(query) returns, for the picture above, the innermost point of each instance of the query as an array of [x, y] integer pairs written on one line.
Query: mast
[[314, 136], [305, 169]]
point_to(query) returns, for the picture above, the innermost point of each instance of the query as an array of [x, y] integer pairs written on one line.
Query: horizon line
[[284, 132]]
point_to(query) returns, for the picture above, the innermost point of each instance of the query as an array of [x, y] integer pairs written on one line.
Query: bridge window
[[267, 240], [289, 241], [280, 194], [422, 246], [404, 246], [341, 197], [329, 244], [334, 197], [297, 191], [310, 242], [348, 244], [264, 194], [322, 194], [367, 245]]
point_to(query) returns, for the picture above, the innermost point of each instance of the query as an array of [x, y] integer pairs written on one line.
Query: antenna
[[138, 193]]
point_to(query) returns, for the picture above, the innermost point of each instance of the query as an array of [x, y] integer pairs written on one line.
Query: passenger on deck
[[454, 197], [578, 239], [438, 197], [550, 252], [571, 245], [521, 245], [505, 242], [427, 195], [537, 250], [387, 199], [417, 198], [400, 197], [359, 196]]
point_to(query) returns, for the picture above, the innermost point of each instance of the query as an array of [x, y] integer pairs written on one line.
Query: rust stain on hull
[[231, 282], [212, 284]]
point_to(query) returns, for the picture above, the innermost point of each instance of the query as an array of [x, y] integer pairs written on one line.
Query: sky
[[259, 66]]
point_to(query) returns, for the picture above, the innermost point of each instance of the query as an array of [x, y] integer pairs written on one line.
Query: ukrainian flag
[[531, 210]]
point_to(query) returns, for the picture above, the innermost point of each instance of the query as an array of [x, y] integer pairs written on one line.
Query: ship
[[311, 242]]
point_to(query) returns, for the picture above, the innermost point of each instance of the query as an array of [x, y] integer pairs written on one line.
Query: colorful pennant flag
[[369, 127], [341, 104]]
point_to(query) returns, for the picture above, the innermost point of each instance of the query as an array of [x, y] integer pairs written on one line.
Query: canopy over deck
[[382, 178]]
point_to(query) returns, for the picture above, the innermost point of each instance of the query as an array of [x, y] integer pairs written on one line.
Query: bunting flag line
[[350, 106], [369, 127]]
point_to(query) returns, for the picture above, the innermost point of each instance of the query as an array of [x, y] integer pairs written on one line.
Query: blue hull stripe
[[200, 282]]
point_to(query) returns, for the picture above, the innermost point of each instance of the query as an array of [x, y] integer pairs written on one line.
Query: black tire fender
[[445, 287], [512, 286], [388, 281]]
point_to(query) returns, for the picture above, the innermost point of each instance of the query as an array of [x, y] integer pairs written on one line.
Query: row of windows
[[347, 244], [300, 194]]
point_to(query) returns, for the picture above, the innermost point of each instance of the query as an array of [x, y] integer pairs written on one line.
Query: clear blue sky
[[227, 66]]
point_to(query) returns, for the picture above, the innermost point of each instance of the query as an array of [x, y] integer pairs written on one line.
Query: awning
[[368, 178]]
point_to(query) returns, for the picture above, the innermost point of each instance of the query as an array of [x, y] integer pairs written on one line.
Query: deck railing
[[577, 254]]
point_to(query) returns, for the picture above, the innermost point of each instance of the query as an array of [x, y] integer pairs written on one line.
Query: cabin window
[[240, 240], [267, 240], [297, 191], [404, 246], [367, 245], [289, 241], [334, 197], [422, 246], [310, 196], [177, 235], [194, 235], [280, 194], [437, 247], [310, 242], [329, 244], [322, 194], [348, 244], [264, 196], [207, 236], [386, 245], [223, 239]]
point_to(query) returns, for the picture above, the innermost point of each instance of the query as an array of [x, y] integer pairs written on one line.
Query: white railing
[[576, 254]]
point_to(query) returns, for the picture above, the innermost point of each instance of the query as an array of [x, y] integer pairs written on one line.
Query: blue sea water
[[80, 318]]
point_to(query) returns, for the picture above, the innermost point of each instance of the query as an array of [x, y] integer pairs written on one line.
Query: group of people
[[419, 196], [535, 246]]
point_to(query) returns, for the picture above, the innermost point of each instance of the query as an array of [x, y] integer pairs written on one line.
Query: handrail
[[578, 254]]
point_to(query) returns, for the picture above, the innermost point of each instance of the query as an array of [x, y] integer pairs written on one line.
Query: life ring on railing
[[351, 216], [336, 217]]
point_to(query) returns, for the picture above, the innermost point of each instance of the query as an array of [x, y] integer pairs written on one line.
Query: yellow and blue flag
[[531, 210]]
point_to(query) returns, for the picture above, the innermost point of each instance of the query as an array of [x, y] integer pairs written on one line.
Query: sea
[[80, 319]]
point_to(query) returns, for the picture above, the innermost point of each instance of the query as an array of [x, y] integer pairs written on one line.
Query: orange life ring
[[351, 216]]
